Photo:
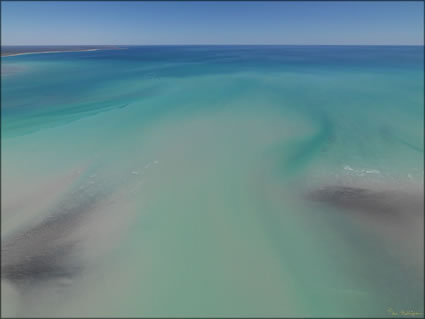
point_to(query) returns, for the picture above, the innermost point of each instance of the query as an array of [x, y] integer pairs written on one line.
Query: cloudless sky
[[57, 23]]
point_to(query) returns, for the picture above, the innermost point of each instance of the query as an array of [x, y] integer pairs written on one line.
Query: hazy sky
[[98, 22]]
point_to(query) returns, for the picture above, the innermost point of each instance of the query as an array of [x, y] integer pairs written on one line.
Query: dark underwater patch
[[48, 251], [388, 203]]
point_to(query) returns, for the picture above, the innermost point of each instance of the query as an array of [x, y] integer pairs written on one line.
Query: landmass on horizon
[[12, 50]]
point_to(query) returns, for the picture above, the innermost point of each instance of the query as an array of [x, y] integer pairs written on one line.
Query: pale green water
[[191, 167]]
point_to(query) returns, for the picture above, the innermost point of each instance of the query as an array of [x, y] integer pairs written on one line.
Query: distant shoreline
[[43, 52], [55, 50]]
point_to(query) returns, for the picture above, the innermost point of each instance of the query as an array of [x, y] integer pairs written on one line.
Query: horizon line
[[220, 44]]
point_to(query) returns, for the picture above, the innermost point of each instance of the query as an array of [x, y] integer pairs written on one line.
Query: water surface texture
[[213, 181]]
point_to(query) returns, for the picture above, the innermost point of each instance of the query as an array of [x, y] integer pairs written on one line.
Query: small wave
[[362, 171]]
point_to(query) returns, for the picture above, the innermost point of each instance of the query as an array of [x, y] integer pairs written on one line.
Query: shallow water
[[213, 181]]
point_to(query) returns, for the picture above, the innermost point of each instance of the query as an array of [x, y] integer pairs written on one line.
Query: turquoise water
[[186, 174]]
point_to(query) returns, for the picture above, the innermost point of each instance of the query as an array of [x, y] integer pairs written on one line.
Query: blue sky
[[38, 23]]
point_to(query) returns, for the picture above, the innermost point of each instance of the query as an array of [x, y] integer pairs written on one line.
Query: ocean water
[[198, 181]]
